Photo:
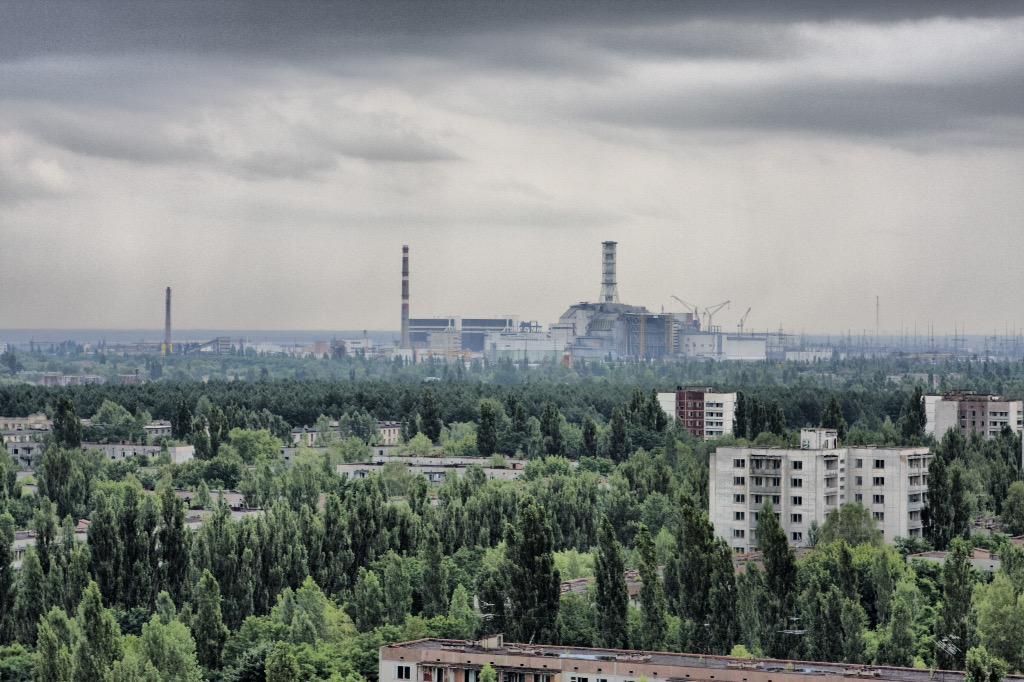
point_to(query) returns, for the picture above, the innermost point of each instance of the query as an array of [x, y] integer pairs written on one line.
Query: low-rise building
[[703, 413], [159, 428], [448, 660], [435, 469], [389, 432], [119, 452], [805, 485]]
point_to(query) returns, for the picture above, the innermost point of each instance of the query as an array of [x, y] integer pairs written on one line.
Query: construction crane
[[710, 311], [743, 321], [690, 306]]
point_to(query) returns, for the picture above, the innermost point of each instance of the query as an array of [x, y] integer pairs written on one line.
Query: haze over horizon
[[268, 161]]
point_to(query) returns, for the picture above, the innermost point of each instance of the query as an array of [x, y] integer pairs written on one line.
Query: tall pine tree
[[612, 595]]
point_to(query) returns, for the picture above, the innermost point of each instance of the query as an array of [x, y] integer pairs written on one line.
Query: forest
[[332, 568]]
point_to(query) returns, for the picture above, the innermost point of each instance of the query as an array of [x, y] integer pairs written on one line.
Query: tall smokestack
[[609, 287], [405, 297], [168, 348]]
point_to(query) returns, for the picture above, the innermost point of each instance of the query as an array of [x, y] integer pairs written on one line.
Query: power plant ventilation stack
[[609, 287], [405, 297], [168, 347]]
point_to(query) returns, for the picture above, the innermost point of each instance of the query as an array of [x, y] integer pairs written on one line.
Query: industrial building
[[705, 414], [805, 485], [449, 660], [969, 413]]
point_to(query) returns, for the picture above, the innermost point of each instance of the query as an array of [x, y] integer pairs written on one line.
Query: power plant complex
[[606, 330]]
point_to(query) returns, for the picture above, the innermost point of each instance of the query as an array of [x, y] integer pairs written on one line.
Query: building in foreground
[[703, 413], [446, 660], [969, 413], [804, 485]]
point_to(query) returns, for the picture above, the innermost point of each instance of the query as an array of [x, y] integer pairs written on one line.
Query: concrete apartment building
[[804, 485], [703, 413], [970, 413], [447, 660]]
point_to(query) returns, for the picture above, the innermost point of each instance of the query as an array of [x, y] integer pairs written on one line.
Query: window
[[776, 500], [797, 536], [797, 464], [860, 480], [738, 532], [739, 498], [758, 499], [738, 480], [879, 463], [738, 516], [879, 516], [758, 480], [797, 482], [878, 480], [878, 499], [796, 518], [859, 464], [858, 497], [797, 501], [739, 463], [403, 672]]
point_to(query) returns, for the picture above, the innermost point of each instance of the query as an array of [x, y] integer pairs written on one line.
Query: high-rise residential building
[[970, 413], [804, 485], [702, 412]]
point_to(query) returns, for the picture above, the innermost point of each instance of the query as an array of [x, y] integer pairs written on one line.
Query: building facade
[[969, 413], [805, 485], [447, 660], [702, 412]]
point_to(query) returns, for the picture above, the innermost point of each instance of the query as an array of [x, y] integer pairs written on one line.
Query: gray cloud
[[280, 152]]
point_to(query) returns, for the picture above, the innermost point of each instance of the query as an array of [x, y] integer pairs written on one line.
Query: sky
[[268, 160]]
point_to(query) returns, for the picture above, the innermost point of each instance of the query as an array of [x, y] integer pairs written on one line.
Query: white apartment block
[[805, 485], [970, 413]]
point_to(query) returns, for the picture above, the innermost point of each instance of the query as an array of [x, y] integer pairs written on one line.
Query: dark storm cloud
[[884, 110], [290, 146], [298, 29]]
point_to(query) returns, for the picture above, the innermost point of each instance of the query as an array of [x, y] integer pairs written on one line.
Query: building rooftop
[[659, 658]]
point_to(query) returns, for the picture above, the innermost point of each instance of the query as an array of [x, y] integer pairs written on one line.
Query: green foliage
[[852, 523], [67, 428], [612, 597], [207, 624], [532, 581], [368, 601], [98, 641], [1013, 509]]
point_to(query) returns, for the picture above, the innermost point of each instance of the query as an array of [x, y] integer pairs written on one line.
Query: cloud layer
[[269, 160]]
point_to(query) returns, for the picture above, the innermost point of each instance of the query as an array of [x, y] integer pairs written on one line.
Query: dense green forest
[[333, 568]]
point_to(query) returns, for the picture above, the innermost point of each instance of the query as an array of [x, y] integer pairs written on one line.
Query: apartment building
[[448, 660], [702, 412], [804, 485], [971, 413]]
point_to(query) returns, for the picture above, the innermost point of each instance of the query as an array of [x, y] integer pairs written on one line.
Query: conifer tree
[[533, 585], [98, 643], [367, 601], [30, 600], [955, 631], [54, 645], [461, 616], [487, 431], [67, 428], [172, 544], [207, 623], [652, 594], [612, 596], [7, 576]]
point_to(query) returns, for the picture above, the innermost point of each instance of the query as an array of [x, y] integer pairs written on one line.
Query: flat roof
[[797, 667]]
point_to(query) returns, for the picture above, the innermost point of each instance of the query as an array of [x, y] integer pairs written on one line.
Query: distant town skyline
[[268, 162]]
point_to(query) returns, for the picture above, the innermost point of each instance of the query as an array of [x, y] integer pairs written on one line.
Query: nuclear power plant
[[604, 330]]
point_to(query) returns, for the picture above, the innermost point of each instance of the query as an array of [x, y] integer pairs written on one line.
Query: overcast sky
[[269, 160]]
